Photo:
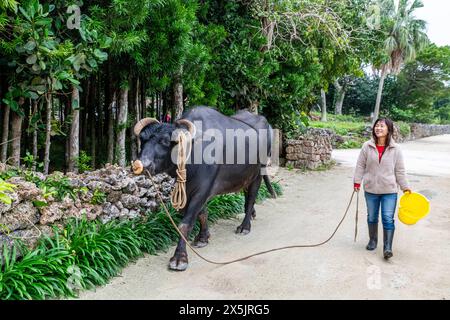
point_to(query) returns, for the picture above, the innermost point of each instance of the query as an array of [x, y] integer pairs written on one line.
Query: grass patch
[[86, 254], [340, 118], [353, 143], [341, 128], [325, 166], [351, 127]]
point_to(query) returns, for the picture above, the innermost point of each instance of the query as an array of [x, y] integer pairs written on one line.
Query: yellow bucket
[[413, 207]]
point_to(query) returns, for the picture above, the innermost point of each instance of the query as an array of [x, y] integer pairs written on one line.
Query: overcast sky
[[437, 14]]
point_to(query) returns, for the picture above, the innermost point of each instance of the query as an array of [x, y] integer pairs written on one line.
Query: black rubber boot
[[373, 236], [388, 236]]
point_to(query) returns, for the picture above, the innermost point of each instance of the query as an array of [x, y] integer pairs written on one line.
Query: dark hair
[[390, 126]]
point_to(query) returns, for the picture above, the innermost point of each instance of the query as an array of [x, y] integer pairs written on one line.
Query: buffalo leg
[[250, 198], [179, 261], [201, 240]]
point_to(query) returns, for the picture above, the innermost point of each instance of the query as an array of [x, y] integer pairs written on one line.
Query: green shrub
[[405, 128], [29, 161], [351, 144], [5, 175], [98, 197], [294, 124], [56, 185], [341, 128], [84, 162], [6, 187]]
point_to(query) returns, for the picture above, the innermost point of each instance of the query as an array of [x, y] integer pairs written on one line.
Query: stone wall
[[419, 130], [310, 150], [126, 196]]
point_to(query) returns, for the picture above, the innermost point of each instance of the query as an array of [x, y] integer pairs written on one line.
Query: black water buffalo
[[230, 171]]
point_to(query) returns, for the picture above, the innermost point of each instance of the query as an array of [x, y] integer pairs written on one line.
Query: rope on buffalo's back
[[178, 196], [258, 253]]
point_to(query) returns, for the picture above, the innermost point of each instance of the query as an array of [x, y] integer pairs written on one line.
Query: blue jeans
[[388, 204]]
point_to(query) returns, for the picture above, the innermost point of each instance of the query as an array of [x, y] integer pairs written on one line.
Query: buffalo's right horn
[[142, 124], [190, 126]]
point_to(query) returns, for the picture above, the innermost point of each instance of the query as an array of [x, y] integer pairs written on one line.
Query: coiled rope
[[178, 196]]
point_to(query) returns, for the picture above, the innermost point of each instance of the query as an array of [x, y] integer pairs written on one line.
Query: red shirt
[[380, 151], [380, 154]]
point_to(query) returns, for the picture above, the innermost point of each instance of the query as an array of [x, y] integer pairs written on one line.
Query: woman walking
[[380, 166]]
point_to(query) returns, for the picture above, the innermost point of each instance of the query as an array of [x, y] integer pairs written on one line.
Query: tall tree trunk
[[16, 131], [340, 95], [5, 134], [111, 136], [143, 106], [135, 111], [376, 112], [324, 105], [158, 106], [35, 135], [100, 119], [48, 130], [94, 134], [84, 113], [66, 105], [268, 27], [74, 142], [121, 125], [94, 103], [178, 94]]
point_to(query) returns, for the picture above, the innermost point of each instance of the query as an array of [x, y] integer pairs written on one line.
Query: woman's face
[[381, 129]]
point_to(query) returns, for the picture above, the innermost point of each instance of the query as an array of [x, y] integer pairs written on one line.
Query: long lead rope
[[262, 252]]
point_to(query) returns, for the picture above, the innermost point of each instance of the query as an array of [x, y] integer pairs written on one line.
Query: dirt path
[[308, 212]]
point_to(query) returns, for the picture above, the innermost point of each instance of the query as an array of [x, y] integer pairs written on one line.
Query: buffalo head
[[157, 141]]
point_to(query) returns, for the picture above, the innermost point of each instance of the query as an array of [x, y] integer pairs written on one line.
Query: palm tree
[[405, 37]]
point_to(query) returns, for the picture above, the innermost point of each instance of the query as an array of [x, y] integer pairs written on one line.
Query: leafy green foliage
[[294, 124], [29, 160], [56, 185], [341, 127], [351, 144], [5, 175], [404, 128], [84, 162], [422, 87], [4, 189], [98, 197]]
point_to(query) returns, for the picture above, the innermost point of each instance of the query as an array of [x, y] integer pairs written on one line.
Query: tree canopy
[[81, 74]]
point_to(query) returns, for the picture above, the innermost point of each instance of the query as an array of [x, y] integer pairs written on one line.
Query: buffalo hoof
[[199, 243], [243, 231], [178, 263]]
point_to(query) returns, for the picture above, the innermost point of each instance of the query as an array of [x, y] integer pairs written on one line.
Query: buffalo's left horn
[[189, 125], [142, 124]]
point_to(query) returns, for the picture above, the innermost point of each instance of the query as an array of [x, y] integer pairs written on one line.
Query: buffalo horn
[[142, 124], [191, 128]]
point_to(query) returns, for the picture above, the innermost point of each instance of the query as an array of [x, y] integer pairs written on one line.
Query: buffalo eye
[[165, 141]]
